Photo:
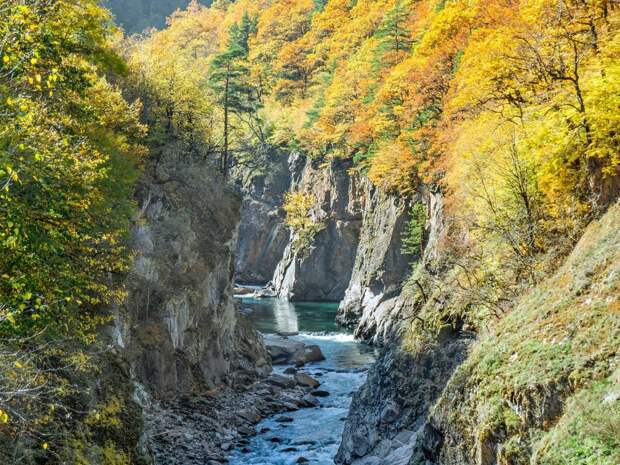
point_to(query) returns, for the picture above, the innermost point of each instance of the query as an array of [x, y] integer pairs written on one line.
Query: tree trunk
[[225, 151]]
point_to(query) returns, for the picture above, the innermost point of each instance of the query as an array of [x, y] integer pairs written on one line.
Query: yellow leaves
[[6, 59], [45, 446], [4, 417], [393, 167], [298, 206]]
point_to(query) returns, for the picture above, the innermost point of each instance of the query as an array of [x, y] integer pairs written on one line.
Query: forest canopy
[[509, 107]]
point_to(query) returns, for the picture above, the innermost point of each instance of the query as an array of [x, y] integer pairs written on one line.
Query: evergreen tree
[[228, 79], [395, 35]]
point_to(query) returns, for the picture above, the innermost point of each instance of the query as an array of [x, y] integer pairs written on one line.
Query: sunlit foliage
[[68, 147]]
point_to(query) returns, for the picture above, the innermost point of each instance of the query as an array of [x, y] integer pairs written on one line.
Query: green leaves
[[69, 143]]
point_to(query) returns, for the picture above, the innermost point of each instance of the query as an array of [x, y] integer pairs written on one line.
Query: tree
[[228, 80], [394, 33]]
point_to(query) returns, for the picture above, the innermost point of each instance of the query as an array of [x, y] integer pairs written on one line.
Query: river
[[314, 434]]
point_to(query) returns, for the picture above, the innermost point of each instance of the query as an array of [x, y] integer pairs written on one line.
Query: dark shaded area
[[138, 15]]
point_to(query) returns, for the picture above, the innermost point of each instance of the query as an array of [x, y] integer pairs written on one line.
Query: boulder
[[285, 351], [281, 381], [306, 381]]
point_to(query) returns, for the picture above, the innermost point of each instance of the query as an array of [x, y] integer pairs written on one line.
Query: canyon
[[191, 337]]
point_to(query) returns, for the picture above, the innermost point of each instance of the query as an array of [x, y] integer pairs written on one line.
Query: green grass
[[533, 389]]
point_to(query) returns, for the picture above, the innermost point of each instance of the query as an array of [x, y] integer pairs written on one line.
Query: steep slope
[[542, 387], [179, 325], [263, 236], [322, 269], [380, 266]]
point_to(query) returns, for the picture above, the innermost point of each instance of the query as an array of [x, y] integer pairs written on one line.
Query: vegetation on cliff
[[69, 150], [509, 107]]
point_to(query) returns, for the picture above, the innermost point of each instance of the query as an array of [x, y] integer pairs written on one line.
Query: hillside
[[433, 183]]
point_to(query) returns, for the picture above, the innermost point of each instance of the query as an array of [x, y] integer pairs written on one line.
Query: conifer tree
[[228, 75], [393, 32]]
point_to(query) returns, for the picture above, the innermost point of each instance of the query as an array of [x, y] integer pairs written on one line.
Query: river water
[[314, 433]]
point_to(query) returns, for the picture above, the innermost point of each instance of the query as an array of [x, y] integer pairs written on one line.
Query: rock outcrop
[[321, 271], [380, 266], [263, 235], [535, 389], [389, 414], [178, 325]]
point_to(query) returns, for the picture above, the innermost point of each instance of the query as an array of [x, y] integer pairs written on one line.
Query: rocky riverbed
[[205, 429]]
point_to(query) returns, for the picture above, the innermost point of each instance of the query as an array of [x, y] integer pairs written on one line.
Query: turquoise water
[[273, 315], [314, 433]]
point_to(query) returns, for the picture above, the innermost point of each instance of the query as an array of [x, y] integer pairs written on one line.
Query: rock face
[[263, 236], [322, 270], [380, 266], [178, 324], [389, 414], [509, 398]]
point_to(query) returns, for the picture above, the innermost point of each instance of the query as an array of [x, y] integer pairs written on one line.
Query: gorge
[[334, 232]]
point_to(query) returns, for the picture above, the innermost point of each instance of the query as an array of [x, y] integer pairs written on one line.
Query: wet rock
[[304, 380], [302, 460], [245, 431], [310, 401], [275, 439], [290, 371], [290, 407], [320, 393], [312, 353], [284, 419], [284, 351]]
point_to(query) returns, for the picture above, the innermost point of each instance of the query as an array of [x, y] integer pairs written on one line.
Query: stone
[[390, 413], [281, 381], [310, 401], [284, 419], [284, 351], [290, 371], [312, 353], [302, 460], [320, 393], [250, 415], [304, 380]]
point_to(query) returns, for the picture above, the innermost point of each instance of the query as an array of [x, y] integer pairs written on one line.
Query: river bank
[[307, 435]]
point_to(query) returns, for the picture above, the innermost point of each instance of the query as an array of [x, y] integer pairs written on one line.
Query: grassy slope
[[544, 388]]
